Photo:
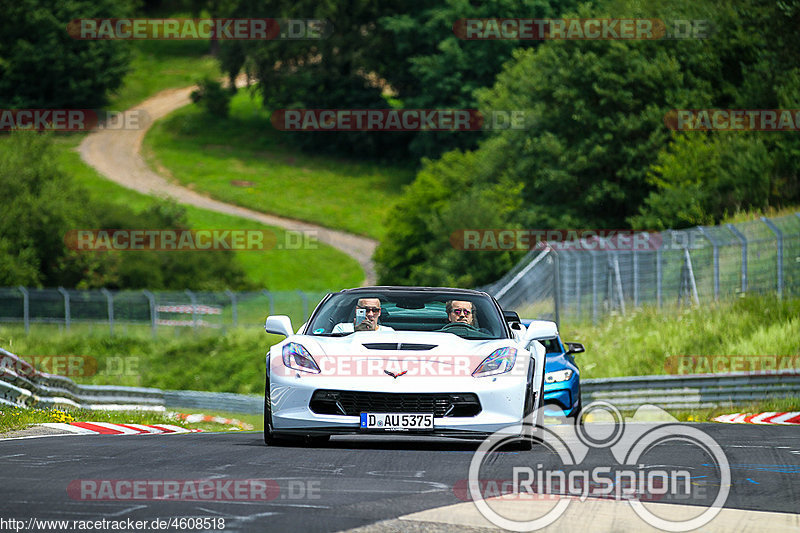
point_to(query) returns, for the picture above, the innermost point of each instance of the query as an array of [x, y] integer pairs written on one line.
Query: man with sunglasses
[[460, 311], [372, 310]]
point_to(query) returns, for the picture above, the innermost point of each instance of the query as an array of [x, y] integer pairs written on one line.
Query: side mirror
[[279, 325], [511, 316], [575, 347]]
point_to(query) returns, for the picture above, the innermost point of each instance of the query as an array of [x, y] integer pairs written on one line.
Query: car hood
[[365, 354], [423, 344]]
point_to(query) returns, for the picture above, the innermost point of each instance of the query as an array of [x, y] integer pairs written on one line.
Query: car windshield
[[409, 311], [552, 345]]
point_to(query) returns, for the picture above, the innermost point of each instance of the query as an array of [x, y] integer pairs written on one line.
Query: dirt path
[[116, 154]]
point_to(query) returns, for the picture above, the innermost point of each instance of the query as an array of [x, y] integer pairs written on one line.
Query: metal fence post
[[715, 253], [153, 312], [635, 278], [557, 288], [743, 240], [618, 284], [779, 235], [232, 296], [659, 276], [271, 301], [67, 317], [26, 309], [594, 287], [578, 293], [110, 299], [193, 299], [304, 299]]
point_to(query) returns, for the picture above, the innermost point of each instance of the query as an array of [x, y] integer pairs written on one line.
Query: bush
[[212, 97]]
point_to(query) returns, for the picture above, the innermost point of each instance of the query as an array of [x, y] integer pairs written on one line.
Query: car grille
[[353, 403]]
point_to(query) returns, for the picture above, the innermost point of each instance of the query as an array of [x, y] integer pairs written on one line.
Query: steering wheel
[[454, 325]]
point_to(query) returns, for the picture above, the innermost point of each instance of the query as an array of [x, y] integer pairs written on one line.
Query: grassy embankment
[[243, 160], [159, 65]]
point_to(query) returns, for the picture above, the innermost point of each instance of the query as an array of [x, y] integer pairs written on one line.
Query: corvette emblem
[[395, 376]]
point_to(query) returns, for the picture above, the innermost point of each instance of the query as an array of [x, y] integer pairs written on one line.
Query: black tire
[[270, 439], [575, 417], [269, 436], [533, 417]]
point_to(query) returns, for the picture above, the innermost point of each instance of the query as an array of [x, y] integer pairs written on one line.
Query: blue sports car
[[562, 388]]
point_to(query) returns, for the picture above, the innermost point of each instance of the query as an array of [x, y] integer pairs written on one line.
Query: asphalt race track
[[350, 482]]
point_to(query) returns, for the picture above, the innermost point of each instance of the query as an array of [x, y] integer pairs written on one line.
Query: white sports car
[[417, 360]]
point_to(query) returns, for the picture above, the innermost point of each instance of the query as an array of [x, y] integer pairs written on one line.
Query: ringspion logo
[[639, 468]]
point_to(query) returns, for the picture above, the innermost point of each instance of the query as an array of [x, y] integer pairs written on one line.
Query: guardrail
[[31, 388], [693, 391]]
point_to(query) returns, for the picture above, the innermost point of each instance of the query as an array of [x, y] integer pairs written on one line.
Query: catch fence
[[160, 312], [576, 282]]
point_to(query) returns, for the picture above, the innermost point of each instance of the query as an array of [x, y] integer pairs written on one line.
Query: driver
[[372, 308], [460, 311]]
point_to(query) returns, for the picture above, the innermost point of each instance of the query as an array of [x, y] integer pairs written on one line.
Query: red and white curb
[[771, 417], [106, 428], [193, 419]]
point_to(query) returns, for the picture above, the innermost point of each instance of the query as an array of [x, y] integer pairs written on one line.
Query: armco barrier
[[694, 391], [36, 389], [22, 385]]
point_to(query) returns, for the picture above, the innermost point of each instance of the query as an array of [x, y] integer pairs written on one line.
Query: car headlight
[[499, 362], [296, 357], [558, 376]]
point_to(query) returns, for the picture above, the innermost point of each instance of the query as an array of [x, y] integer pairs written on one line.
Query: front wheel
[[269, 436]]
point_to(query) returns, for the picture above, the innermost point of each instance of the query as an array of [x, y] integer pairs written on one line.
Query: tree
[[431, 67], [43, 203], [42, 66]]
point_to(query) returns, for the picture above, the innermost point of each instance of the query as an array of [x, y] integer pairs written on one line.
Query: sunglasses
[[371, 309], [459, 312]]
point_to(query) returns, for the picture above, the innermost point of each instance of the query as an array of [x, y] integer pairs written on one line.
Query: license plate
[[397, 421]]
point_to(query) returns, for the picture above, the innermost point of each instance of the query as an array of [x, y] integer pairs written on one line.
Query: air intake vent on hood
[[398, 346]]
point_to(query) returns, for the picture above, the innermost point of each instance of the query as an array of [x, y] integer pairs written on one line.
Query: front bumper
[[561, 398], [501, 400]]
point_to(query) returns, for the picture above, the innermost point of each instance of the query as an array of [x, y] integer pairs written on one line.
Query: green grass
[[231, 362], [778, 405], [17, 418], [641, 342], [14, 418], [244, 161], [159, 65]]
